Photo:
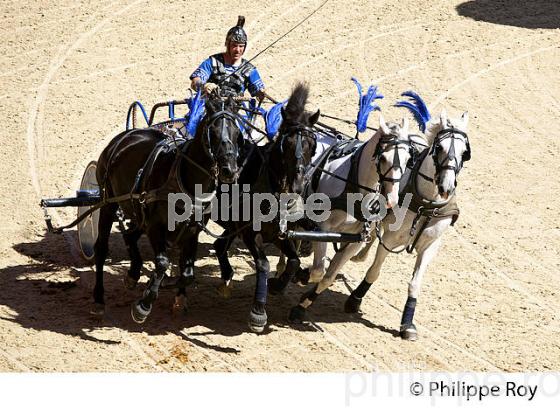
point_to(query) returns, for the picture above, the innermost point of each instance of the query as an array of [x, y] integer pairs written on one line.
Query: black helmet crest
[[237, 34]]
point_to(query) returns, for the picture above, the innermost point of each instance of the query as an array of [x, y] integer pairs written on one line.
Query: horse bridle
[[453, 134], [224, 137], [384, 145], [299, 130]]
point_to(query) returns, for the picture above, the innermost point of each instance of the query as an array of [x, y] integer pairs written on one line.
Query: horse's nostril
[[227, 172]]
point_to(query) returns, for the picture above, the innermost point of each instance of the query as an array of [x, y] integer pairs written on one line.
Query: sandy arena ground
[[490, 300]]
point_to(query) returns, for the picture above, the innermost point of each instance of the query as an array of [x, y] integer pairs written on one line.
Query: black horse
[[142, 167], [276, 168]]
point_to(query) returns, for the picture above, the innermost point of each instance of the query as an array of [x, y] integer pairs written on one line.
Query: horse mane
[[429, 134], [214, 104], [294, 109]]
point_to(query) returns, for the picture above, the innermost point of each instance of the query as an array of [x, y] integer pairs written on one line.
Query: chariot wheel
[[88, 228]]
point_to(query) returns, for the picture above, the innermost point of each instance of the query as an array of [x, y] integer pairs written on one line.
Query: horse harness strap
[[337, 151], [352, 186], [341, 201], [263, 183], [421, 205], [450, 209], [131, 196], [424, 208], [173, 183]]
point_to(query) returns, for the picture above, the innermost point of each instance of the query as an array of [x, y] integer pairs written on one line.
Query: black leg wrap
[[310, 295], [277, 285], [361, 290], [226, 272], [292, 266], [408, 313], [221, 246]]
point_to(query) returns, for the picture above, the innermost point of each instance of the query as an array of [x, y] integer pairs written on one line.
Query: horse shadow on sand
[[534, 14], [54, 292]]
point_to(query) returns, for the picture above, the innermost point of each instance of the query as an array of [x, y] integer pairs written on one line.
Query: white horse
[[433, 183], [380, 161]]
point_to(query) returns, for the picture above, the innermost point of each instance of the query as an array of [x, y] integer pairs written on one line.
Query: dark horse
[[142, 167], [276, 168]]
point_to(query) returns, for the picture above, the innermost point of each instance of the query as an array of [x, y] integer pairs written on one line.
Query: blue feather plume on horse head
[[417, 107], [196, 112], [366, 104], [273, 119]]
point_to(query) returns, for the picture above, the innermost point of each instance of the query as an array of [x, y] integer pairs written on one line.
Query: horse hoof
[[139, 313], [352, 304], [130, 283], [225, 290], [275, 286], [98, 309], [257, 321], [302, 277], [408, 332], [180, 304], [297, 314]]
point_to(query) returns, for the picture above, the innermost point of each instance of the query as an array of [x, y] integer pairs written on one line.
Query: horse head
[[450, 148], [392, 153], [449, 143], [295, 143], [222, 137]]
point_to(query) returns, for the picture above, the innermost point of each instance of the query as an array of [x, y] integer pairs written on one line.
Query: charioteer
[[229, 71]]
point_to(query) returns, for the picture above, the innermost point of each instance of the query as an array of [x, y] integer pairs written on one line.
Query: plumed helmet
[[237, 33]]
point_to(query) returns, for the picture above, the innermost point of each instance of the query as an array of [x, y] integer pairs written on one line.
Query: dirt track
[[490, 299]]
